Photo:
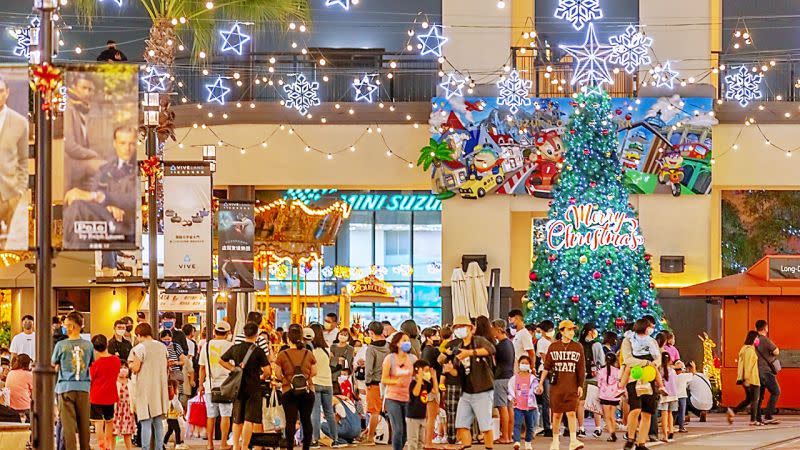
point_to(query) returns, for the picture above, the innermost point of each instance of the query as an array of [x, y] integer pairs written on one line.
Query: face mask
[[328, 326], [550, 333], [63, 329], [342, 338], [342, 379], [589, 337], [120, 333], [538, 335], [27, 325], [405, 346], [524, 367], [129, 328], [426, 376], [166, 343], [169, 324], [512, 331], [436, 342], [650, 331], [123, 372], [460, 332]]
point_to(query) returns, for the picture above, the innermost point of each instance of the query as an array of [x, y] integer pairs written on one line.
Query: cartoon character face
[[484, 159], [550, 146], [673, 158]]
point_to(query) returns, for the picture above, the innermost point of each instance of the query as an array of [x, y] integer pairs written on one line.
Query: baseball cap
[[222, 327], [566, 324], [308, 333]]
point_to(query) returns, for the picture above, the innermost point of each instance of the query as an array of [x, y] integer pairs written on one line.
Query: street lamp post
[[150, 105], [210, 155], [43, 371]]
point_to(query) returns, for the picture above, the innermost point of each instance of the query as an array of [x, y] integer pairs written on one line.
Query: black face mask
[[129, 328]]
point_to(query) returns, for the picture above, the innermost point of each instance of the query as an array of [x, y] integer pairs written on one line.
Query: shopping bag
[[274, 418], [197, 411]]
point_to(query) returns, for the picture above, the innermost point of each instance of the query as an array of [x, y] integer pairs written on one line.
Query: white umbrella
[[477, 294], [458, 289]]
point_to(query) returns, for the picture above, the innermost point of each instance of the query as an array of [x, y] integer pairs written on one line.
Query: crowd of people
[[473, 382]]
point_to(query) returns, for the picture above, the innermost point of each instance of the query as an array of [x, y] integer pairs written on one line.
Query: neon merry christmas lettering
[[585, 225]]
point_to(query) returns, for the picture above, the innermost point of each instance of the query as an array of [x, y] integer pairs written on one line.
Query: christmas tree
[[592, 266]]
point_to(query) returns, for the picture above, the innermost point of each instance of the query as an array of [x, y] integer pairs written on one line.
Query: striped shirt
[[261, 341], [174, 352]]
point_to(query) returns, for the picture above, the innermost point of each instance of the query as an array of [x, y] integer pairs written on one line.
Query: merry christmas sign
[[587, 225]]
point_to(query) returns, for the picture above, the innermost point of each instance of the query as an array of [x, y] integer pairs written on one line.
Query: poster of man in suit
[[101, 174], [236, 234], [14, 173]]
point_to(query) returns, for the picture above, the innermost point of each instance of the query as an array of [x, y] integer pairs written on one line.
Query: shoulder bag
[[774, 367], [229, 390], [216, 393]]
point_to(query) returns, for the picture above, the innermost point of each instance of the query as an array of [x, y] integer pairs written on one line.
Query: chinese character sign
[[236, 229], [187, 221]]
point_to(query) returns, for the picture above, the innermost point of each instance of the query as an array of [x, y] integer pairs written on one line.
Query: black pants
[[173, 425], [295, 404], [752, 398]]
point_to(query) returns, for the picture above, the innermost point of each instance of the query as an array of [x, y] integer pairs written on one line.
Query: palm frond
[[85, 10]]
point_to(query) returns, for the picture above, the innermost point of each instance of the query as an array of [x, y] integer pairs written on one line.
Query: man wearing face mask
[[128, 320], [118, 345], [24, 343], [565, 365], [331, 332], [168, 323], [472, 363], [523, 342]]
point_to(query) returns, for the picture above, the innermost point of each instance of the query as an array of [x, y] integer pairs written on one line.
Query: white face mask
[[123, 372], [524, 367], [460, 332], [120, 332], [512, 331], [342, 378]]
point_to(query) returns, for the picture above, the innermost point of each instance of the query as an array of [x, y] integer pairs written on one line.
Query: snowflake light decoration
[[591, 58], [155, 81], [364, 89], [432, 42], [24, 40], [453, 86], [630, 49], [743, 86], [578, 12], [665, 76], [302, 94], [217, 91], [234, 39], [345, 4], [514, 92]]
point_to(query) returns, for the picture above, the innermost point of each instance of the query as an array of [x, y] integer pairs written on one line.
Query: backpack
[[299, 381]]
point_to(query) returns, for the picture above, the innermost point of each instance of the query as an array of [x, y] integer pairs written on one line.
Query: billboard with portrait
[[187, 221], [101, 176], [14, 173], [118, 266], [236, 233]]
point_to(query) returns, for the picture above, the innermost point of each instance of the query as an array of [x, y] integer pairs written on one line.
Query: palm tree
[[199, 23], [434, 153]]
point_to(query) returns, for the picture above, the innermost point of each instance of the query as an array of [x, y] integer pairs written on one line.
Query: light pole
[[43, 373], [210, 155], [150, 105]]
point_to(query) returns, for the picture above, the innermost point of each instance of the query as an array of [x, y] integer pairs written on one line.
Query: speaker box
[[672, 264]]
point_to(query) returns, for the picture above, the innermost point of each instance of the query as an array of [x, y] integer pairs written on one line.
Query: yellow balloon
[[648, 374]]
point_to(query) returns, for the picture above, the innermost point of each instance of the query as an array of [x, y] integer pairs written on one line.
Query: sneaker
[[315, 444], [575, 445], [771, 422], [440, 440], [628, 444], [516, 445], [545, 433], [612, 437], [671, 437], [529, 446], [182, 446], [339, 445], [554, 444], [652, 438], [682, 430], [622, 427], [642, 447], [756, 424], [597, 433], [581, 433]]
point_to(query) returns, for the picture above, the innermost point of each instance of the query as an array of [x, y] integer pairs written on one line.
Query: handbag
[[229, 390], [770, 364], [216, 394], [197, 411], [274, 418]]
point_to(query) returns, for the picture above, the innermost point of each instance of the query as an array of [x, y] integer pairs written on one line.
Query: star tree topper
[[364, 89], [578, 12], [234, 39], [514, 92], [591, 57], [432, 42], [630, 49], [743, 86], [217, 91], [302, 94], [453, 86]]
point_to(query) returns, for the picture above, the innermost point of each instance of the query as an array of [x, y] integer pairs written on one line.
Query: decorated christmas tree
[[592, 266]]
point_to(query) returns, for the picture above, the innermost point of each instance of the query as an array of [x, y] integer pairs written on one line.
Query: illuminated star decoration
[[234, 39], [23, 46], [118, 2], [345, 4], [743, 86], [453, 86], [302, 94], [217, 91], [665, 76], [630, 49], [514, 92], [432, 42], [591, 57], [364, 89], [578, 12], [155, 81]]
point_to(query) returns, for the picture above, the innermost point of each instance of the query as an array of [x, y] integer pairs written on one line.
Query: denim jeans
[[544, 403], [323, 400], [397, 419], [530, 418], [680, 415], [152, 428], [769, 383]]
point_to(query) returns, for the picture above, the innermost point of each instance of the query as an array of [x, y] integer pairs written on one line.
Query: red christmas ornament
[[604, 132], [628, 117], [652, 285], [647, 256], [547, 294], [644, 304], [617, 111], [586, 151], [572, 200], [572, 131], [575, 298], [592, 184], [597, 275], [619, 322], [552, 257], [608, 262], [532, 276], [717, 362], [550, 203]]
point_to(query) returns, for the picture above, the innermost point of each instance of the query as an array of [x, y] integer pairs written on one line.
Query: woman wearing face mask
[[323, 387], [124, 425], [341, 357], [398, 370]]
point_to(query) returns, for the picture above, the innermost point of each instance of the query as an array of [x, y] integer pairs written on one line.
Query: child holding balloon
[[669, 402]]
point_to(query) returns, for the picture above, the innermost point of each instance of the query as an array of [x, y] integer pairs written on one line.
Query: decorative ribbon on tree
[[47, 80], [151, 168]]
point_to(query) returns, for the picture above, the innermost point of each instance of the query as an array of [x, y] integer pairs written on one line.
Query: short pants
[[247, 410], [475, 407], [217, 409], [101, 412], [501, 394], [668, 406], [647, 403], [374, 403]]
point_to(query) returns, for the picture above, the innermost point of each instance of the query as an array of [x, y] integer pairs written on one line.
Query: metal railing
[[552, 79], [400, 78]]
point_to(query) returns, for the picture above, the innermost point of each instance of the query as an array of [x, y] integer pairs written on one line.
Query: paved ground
[[716, 433]]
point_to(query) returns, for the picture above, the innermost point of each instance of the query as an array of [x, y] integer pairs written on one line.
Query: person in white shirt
[[681, 383], [700, 399], [209, 365], [24, 343], [523, 341]]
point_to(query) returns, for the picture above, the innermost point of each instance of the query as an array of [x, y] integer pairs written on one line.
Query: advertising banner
[[187, 221], [101, 176], [14, 174], [236, 234], [118, 266]]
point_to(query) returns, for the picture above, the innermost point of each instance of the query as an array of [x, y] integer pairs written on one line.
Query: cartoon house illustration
[[449, 176], [633, 149]]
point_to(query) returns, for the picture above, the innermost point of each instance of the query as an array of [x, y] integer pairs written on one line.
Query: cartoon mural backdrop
[[478, 148]]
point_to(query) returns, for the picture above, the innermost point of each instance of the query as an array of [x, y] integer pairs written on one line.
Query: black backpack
[[299, 381]]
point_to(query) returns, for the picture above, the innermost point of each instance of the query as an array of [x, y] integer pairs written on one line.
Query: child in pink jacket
[[521, 392], [610, 393]]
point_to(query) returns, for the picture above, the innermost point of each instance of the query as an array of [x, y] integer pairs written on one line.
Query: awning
[[772, 275]]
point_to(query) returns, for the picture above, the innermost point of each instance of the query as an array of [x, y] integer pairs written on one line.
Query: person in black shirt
[[247, 407], [111, 54], [420, 391], [503, 371], [118, 345]]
